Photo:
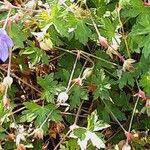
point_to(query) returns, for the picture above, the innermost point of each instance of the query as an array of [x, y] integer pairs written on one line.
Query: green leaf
[[50, 87], [54, 36], [108, 27], [124, 2], [94, 124], [58, 21], [146, 46], [61, 27], [121, 100], [80, 133], [127, 78], [141, 33], [142, 26], [118, 113], [145, 82], [102, 83], [82, 32], [100, 6], [35, 55], [39, 113], [70, 145], [18, 35], [133, 9], [77, 95]]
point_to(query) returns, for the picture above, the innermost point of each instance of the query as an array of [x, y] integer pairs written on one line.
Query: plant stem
[[4, 26], [124, 36], [114, 117], [134, 109], [82, 52], [62, 139], [78, 112], [9, 64], [72, 72], [94, 24], [74, 124], [99, 58], [46, 119]]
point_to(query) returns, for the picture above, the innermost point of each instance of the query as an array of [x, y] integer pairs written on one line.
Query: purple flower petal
[[2, 31], [7, 40], [3, 51], [6, 43]]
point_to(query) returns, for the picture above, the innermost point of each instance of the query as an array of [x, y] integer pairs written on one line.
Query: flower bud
[[141, 94], [103, 42], [8, 81], [6, 102], [126, 146], [38, 133], [78, 81], [62, 97], [87, 72], [129, 136]]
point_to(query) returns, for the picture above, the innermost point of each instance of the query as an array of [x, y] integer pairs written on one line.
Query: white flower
[[38, 133], [21, 134], [112, 49], [127, 65], [46, 44], [62, 97], [40, 35]]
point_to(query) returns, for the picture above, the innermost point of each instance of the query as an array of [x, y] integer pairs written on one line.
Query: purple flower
[[6, 43]]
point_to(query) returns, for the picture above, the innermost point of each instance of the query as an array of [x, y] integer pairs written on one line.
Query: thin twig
[[78, 112], [18, 110], [66, 113], [134, 109], [72, 72], [46, 118], [82, 52], [6, 21], [74, 124], [15, 76], [125, 40], [62, 139], [57, 57], [115, 117]]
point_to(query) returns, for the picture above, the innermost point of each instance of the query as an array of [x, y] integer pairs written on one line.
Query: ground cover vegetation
[[74, 74]]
